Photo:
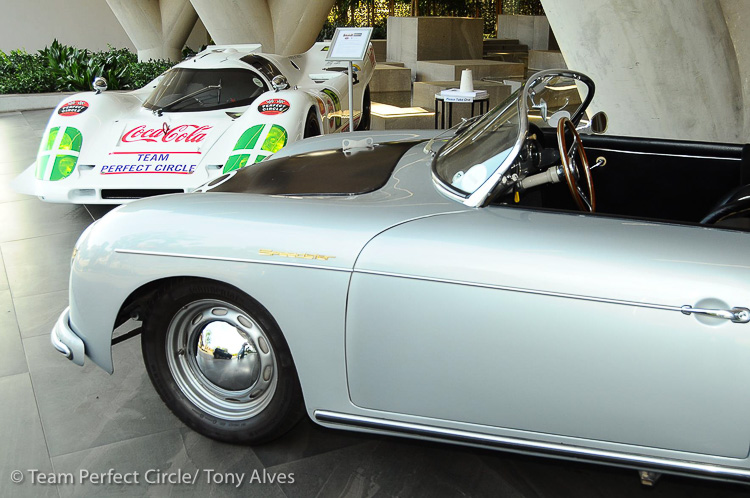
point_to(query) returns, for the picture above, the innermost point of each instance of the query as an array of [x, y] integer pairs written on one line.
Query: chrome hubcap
[[221, 359]]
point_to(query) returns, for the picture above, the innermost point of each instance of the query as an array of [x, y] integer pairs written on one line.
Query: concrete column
[[737, 16], [665, 69], [284, 27], [157, 28]]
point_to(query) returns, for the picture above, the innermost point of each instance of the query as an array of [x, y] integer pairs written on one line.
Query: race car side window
[[189, 90]]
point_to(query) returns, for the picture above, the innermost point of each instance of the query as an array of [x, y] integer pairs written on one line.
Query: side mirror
[[279, 82], [599, 122], [99, 84]]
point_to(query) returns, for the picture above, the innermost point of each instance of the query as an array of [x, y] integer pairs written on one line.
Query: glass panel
[[235, 87]]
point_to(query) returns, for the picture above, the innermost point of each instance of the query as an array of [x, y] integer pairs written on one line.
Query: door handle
[[737, 315]]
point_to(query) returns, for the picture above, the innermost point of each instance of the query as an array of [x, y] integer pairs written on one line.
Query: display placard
[[349, 44]]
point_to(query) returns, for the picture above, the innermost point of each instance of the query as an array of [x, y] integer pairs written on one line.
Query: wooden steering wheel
[[585, 202]]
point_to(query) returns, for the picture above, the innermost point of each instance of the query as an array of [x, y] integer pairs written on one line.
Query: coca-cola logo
[[182, 133], [73, 108], [273, 106]]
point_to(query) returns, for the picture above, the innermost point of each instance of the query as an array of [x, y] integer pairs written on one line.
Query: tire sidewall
[[312, 127], [285, 407]]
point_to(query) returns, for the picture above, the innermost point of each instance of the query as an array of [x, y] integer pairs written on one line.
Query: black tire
[[312, 128], [259, 398], [364, 123]]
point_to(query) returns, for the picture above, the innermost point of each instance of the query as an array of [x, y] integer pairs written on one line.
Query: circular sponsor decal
[[273, 106], [73, 108], [257, 82]]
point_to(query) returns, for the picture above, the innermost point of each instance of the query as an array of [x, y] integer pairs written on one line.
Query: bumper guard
[[66, 341]]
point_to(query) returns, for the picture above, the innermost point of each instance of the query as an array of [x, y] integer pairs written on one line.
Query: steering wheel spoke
[[571, 169]]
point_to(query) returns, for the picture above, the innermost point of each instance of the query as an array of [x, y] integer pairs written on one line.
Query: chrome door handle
[[737, 315]]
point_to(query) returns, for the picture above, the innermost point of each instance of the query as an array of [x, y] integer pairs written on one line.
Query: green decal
[[236, 161], [58, 155], [249, 138], [260, 158], [72, 140], [244, 145], [41, 166], [51, 138], [275, 140], [63, 167]]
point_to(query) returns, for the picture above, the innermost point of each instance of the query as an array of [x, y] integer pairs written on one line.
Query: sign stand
[[350, 44]]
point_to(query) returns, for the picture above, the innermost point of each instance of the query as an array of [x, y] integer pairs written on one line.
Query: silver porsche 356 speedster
[[505, 285]]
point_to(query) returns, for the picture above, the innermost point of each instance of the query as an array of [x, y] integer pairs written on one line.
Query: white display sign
[[349, 44]]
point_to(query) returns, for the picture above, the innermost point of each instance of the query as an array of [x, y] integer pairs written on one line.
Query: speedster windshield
[[473, 161], [187, 90]]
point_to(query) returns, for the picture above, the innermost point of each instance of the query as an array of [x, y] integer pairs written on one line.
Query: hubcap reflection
[[226, 356], [221, 359]]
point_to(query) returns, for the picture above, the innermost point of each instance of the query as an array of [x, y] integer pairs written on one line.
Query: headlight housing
[[58, 153]]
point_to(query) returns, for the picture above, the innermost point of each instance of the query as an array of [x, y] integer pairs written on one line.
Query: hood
[[244, 227], [157, 143]]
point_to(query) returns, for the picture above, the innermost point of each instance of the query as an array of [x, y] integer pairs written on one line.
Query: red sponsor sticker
[[73, 108], [178, 134], [273, 106]]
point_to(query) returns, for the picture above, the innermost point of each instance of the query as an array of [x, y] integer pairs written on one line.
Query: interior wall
[[82, 23]]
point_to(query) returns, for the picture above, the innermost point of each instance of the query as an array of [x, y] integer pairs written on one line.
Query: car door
[[557, 323]]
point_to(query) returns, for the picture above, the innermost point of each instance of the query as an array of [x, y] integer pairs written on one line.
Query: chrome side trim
[[232, 260], [665, 307], [688, 156], [527, 445]]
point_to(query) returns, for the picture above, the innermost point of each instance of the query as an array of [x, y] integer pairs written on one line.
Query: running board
[[638, 462]]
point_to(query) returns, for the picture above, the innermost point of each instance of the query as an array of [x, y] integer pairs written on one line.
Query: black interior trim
[[663, 146]]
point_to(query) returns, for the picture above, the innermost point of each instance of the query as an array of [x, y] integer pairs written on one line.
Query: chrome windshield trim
[[231, 260], [481, 194], [564, 295], [518, 444]]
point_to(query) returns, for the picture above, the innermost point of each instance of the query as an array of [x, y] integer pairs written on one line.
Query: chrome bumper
[[66, 341]]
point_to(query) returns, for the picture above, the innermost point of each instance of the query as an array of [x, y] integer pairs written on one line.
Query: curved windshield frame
[[205, 89], [470, 165]]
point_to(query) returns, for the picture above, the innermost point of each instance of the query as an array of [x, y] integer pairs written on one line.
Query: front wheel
[[312, 128], [365, 120], [220, 363]]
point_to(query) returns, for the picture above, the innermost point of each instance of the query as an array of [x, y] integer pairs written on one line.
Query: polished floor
[[61, 419]]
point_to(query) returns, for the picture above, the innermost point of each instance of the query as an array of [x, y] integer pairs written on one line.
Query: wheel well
[[318, 117], [136, 305]]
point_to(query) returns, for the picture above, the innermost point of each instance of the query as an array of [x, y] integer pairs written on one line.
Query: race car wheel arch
[[312, 124], [220, 362]]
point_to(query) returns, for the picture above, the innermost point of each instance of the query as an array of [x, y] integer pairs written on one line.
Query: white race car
[[226, 108]]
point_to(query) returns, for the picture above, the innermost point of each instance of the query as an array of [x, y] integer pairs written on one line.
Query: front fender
[[272, 121]]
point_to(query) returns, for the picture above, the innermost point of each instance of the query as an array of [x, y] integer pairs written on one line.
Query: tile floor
[[56, 417]]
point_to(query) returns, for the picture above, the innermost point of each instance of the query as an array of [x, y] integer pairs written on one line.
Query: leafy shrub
[[140, 73], [21, 72], [63, 68]]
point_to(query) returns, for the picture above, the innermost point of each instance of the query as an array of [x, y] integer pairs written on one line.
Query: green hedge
[[60, 68]]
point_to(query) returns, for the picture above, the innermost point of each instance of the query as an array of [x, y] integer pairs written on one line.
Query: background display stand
[[350, 44], [440, 101]]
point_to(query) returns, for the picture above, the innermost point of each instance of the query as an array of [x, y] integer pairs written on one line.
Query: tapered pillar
[[669, 69], [157, 28], [737, 16], [283, 27]]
